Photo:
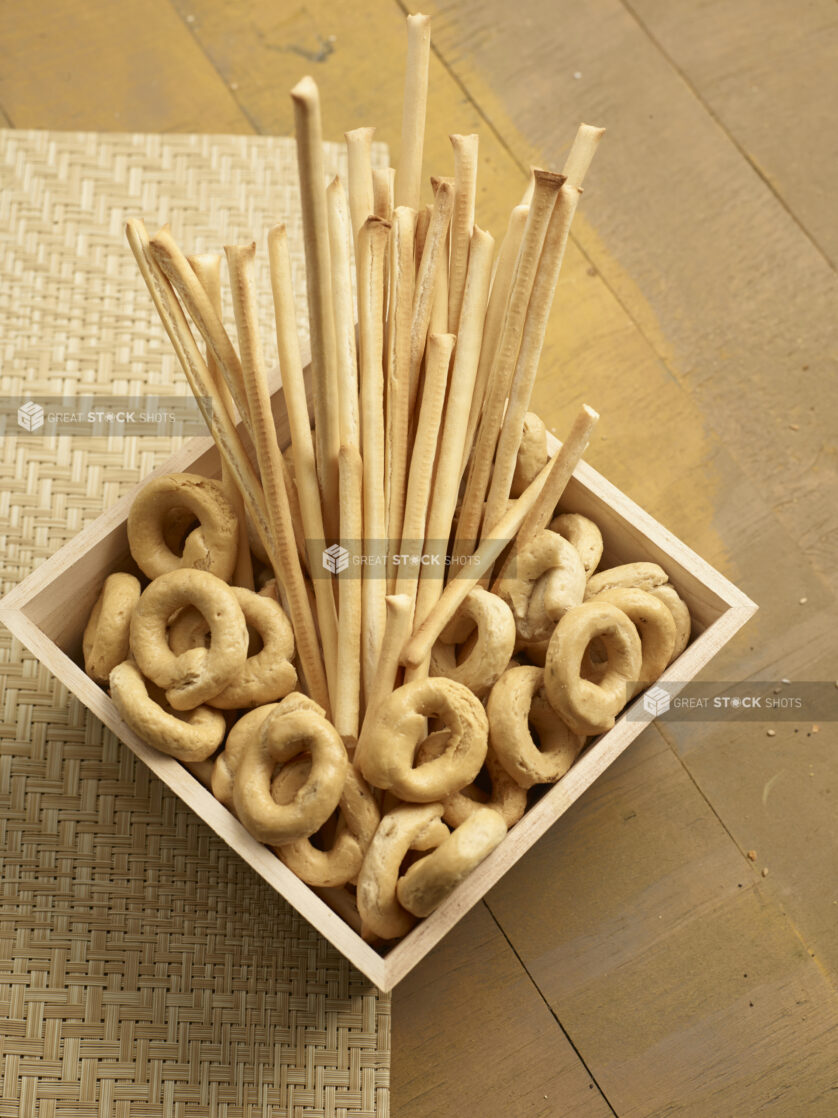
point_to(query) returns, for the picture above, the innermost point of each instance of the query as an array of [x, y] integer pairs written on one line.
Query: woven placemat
[[145, 971]]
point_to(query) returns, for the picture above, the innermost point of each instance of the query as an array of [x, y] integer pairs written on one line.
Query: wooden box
[[49, 609]]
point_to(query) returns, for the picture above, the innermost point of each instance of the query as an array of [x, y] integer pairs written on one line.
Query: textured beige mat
[[145, 971]]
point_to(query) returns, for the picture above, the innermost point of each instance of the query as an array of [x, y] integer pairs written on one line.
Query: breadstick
[[347, 357], [409, 176], [240, 261], [582, 153], [579, 158], [219, 422], [168, 255], [547, 188], [460, 390], [372, 250], [462, 222], [469, 573], [305, 471], [399, 318], [532, 342], [294, 506], [433, 261], [566, 461], [423, 221], [347, 696], [440, 348], [358, 144], [438, 322], [495, 311], [396, 632], [207, 267], [321, 314], [383, 189]]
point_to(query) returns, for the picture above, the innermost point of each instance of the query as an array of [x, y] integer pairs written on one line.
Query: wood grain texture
[[766, 70], [710, 265], [535, 1073], [680, 981], [91, 64]]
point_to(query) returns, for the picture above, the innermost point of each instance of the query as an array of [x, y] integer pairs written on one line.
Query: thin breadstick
[[495, 311], [347, 357], [358, 145], [582, 153], [372, 251], [383, 192], [308, 130], [169, 257], [305, 471], [423, 221], [462, 222], [579, 158], [347, 696], [207, 267], [219, 422], [438, 322], [567, 459], [198, 304], [461, 386], [294, 506], [440, 348], [178, 270], [396, 633], [469, 573], [400, 315], [409, 176], [433, 261], [547, 188], [240, 260], [532, 342]]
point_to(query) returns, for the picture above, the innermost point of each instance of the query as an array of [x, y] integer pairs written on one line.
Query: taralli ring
[[588, 707], [680, 615], [548, 580], [517, 702], [532, 454], [281, 738], [248, 726], [655, 626], [268, 674], [201, 673], [106, 636], [211, 546], [489, 655], [583, 534], [399, 830], [192, 736], [430, 880], [389, 751], [328, 867], [643, 576], [507, 797]]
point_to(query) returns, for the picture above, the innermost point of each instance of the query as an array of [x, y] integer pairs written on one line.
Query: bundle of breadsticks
[[372, 643]]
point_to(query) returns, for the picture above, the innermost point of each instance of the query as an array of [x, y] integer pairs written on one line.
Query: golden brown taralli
[[211, 546], [107, 634]]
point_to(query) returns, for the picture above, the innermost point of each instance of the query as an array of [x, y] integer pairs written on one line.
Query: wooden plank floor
[[636, 962]]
